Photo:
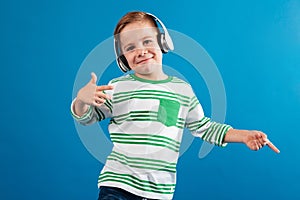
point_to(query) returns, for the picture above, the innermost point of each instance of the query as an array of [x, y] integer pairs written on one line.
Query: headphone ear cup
[[120, 64], [121, 60], [123, 64], [163, 43]]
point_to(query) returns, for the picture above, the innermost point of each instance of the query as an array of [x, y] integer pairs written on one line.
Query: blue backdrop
[[255, 45]]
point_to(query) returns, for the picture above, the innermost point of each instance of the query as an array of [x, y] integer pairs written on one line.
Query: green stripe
[[182, 103], [217, 132], [210, 131], [124, 135], [221, 136], [141, 167], [124, 78], [108, 104], [118, 96], [177, 80], [151, 81], [146, 143], [100, 113], [143, 116], [135, 114], [148, 137], [150, 94], [194, 103], [128, 182], [153, 91], [146, 159], [143, 163], [137, 183], [193, 126], [206, 135], [180, 123], [84, 117]]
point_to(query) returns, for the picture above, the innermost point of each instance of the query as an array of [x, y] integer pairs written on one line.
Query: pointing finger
[[104, 87], [102, 95], [272, 146]]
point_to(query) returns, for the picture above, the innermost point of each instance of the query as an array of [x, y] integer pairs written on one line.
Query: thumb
[[94, 78]]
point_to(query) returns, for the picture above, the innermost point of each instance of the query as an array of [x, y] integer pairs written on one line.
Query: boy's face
[[140, 47]]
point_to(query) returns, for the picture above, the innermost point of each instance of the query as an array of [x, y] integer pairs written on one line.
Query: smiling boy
[[148, 111], [141, 49]]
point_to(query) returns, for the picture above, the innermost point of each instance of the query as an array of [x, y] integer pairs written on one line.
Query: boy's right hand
[[91, 94]]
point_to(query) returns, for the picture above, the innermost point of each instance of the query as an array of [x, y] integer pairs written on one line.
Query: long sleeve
[[93, 113], [203, 127]]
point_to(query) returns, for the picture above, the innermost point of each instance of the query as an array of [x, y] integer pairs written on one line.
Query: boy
[[148, 111]]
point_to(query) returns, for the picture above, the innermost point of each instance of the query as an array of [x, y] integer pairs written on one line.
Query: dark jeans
[[113, 193]]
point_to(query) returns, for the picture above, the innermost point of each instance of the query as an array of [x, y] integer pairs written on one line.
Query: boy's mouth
[[143, 60]]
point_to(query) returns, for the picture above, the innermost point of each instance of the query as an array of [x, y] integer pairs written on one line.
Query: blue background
[[255, 44]]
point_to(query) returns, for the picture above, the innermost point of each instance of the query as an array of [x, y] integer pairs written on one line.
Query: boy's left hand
[[255, 140]]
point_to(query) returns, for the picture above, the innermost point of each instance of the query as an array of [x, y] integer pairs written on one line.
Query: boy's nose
[[142, 51]]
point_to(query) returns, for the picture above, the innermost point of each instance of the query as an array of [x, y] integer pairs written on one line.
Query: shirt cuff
[[222, 143], [85, 118]]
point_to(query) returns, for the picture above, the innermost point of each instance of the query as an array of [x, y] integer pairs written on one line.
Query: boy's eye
[[148, 42], [129, 48]]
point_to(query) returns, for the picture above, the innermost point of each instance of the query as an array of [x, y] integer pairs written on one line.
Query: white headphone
[[164, 40]]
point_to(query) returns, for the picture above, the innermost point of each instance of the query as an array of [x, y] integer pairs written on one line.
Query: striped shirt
[[146, 127]]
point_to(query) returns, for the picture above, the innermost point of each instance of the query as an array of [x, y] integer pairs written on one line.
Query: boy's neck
[[153, 77]]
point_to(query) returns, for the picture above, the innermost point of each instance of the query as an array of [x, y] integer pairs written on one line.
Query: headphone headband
[[169, 41], [164, 40]]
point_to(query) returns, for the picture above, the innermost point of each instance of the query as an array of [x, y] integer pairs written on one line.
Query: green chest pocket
[[168, 112]]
